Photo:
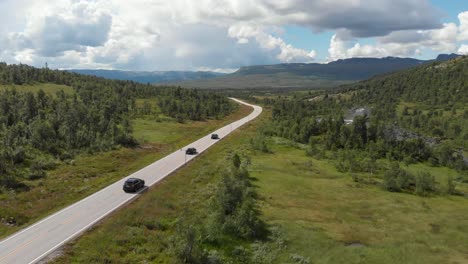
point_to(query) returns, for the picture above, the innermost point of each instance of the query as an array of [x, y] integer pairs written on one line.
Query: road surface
[[35, 242]]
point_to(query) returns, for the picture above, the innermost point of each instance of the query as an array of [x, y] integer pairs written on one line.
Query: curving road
[[35, 242]]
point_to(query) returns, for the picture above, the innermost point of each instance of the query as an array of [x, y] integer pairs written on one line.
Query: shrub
[[259, 142], [233, 208], [396, 179], [451, 185], [36, 174], [187, 247], [425, 183]]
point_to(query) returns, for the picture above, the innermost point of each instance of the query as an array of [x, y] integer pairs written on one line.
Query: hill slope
[[347, 69], [419, 114], [437, 85]]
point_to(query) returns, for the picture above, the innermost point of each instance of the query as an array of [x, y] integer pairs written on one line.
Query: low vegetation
[[312, 214], [40, 129], [301, 185], [328, 217], [385, 132], [60, 136]]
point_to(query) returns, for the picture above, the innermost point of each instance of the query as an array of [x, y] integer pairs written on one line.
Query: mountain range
[[345, 69], [286, 75]]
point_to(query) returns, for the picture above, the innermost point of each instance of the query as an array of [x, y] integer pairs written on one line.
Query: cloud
[[64, 28], [463, 50], [186, 34], [287, 53], [373, 18], [463, 29], [401, 43], [360, 18]]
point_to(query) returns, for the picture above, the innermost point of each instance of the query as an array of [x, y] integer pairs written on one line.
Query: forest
[[38, 130], [417, 115]]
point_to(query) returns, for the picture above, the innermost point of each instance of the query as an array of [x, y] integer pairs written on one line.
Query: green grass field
[[48, 88], [88, 173], [323, 215], [331, 219]]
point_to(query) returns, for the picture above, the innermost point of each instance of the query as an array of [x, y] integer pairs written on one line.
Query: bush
[[241, 255], [187, 247], [36, 174], [259, 142], [355, 177], [425, 183], [246, 220], [233, 208], [451, 185], [396, 179]]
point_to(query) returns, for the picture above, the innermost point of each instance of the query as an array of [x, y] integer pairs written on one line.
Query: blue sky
[[223, 35], [451, 7], [305, 38]]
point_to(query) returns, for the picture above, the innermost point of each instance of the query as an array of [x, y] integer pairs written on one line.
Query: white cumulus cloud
[[463, 50], [218, 34], [287, 53], [463, 29], [402, 43]]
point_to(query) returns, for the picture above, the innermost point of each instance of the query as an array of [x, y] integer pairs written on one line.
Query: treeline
[[37, 129], [176, 102], [193, 104], [322, 123]]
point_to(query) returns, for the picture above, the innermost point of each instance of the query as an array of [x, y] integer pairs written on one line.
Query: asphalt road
[[35, 242]]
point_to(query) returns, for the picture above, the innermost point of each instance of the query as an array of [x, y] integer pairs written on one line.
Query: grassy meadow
[[328, 218], [322, 215]]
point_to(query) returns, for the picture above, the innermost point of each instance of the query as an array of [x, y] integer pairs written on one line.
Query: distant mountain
[[150, 77], [446, 57], [345, 69], [311, 75]]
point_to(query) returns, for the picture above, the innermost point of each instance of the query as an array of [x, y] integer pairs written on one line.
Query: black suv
[[191, 151], [133, 184], [214, 136]]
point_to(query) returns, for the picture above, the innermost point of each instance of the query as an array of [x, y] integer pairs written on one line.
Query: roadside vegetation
[[301, 185], [86, 173], [60, 129], [308, 212], [320, 190]]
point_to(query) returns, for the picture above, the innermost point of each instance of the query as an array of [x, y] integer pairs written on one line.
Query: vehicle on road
[[191, 151], [133, 184], [214, 136]]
